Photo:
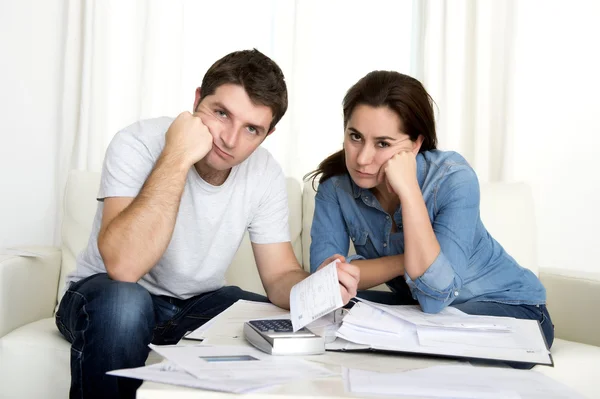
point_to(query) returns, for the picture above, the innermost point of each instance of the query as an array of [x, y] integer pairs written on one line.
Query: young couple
[[177, 195]]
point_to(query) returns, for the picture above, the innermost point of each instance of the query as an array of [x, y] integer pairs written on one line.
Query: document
[[225, 368], [168, 373], [315, 296], [449, 318], [459, 381], [388, 328]]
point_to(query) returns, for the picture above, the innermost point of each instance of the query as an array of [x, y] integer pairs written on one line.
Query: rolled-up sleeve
[[455, 224], [354, 257], [328, 232]]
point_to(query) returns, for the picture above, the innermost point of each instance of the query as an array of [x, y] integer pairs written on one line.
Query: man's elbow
[[122, 274], [116, 268]]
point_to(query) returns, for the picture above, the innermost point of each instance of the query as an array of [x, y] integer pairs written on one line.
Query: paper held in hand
[[315, 296]]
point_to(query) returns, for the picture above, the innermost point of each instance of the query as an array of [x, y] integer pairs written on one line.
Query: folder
[[405, 329]]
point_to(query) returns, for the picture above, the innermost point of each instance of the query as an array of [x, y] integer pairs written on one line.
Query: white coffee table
[[327, 387]]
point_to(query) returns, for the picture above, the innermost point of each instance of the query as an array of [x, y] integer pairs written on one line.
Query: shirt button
[[385, 244], [455, 293], [387, 218], [353, 239]]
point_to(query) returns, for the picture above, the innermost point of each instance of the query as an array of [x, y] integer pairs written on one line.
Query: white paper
[[168, 373], [379, 329], [315, 296], [459, 382], [238, 369], [228, 326], [449, 318]]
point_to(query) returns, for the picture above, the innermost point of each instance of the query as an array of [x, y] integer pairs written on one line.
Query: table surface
[[332, 387]]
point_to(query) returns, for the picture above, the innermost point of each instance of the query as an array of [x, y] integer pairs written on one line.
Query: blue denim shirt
[[471, 265]]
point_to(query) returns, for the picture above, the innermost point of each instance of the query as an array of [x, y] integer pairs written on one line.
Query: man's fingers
[[205, 113], [352, 270], [348, 281], [327, 261], [345, 295]]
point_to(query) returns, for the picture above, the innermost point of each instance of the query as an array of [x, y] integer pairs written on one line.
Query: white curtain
[[466, 63], [127, 60]]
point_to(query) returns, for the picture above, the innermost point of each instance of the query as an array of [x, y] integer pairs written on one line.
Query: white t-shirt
[[211, 221]]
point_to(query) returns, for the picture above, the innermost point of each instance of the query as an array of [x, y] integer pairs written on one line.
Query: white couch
[[34, 358]]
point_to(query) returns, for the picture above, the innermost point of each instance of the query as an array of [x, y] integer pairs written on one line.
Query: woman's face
[[373, 135]]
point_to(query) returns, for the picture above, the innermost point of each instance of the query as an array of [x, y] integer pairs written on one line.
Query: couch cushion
[[34, 362], [506, 208], [575, 365], [507, 211]]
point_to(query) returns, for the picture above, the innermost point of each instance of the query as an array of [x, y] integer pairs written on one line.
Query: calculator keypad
[[283, 325]]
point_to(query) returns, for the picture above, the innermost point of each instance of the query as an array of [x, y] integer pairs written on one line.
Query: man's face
[[238, 126]]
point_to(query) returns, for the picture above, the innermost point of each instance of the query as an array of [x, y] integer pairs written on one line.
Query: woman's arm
[[378, 271], [436, 255], [328, 231]]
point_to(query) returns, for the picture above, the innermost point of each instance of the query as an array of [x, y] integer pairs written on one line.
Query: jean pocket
[[63, 329]]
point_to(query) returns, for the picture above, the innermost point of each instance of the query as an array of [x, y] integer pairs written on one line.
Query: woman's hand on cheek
[[401, 173]]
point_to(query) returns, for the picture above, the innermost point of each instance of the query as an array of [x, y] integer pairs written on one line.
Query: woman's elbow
[[432, 306]]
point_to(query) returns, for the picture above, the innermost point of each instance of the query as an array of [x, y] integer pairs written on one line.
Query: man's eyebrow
[[261, 129], [219, 104]]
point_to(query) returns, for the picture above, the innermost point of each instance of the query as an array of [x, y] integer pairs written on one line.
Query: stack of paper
[[456, 382], [448, 333], [224, 368]]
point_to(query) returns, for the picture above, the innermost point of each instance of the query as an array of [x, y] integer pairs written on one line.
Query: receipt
[[315, 296]]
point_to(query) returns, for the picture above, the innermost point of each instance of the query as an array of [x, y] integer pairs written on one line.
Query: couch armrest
[[573, 303], [28, 287]]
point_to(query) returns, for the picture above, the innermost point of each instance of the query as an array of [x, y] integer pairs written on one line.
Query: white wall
[[29, 78], [556, 132]]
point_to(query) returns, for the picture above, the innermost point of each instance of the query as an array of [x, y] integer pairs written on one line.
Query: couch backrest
[[80, 208], [506, 210]]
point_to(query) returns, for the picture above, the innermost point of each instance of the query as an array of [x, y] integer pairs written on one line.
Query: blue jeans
[[531, 312], [110, 324]]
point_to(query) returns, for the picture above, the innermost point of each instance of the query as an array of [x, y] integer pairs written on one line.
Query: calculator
[[277, 337]]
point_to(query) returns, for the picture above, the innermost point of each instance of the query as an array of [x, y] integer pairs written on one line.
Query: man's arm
[[279, 271], [136, 232], [374, 272]]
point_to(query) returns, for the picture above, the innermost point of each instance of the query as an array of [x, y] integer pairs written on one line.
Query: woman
[[412, 212]]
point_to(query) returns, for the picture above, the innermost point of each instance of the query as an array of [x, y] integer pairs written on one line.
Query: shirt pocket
[[358, 236], [362, 243]]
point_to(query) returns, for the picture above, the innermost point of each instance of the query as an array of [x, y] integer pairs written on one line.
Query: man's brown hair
[[259, 75]]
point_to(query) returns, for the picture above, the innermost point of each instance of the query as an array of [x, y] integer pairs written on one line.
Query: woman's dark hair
[[402, 94]]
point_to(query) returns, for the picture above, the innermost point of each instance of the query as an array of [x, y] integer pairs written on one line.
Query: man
[[175, 199]]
